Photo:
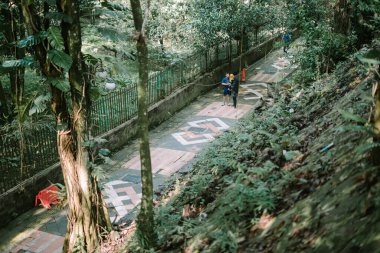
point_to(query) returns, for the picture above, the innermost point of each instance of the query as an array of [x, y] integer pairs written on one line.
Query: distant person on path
[[235, 89], [286, 39], [226, 89]]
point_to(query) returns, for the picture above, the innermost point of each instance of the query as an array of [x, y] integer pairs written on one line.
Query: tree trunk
[[145, 221], [230, 53], [162, 44], [87, 215], [256, 33], [4, 107], [342, 15], [375, 156]]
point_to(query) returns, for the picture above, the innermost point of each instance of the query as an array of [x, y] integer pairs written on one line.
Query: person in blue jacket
[[286, 39], [226, 89]]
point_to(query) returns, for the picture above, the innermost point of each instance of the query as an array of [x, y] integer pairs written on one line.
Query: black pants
[[234, 98], [286, 47]]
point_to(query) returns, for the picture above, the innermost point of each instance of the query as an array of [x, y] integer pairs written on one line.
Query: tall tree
[[375, 156], [145, 221], [87, 215]]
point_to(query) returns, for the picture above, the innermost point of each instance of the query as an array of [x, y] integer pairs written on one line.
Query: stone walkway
[[174, 144]]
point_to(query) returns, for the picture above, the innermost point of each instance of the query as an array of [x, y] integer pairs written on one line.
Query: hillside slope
[[267, 186]]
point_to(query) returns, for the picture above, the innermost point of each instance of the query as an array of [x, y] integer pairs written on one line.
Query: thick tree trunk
[[145, 221], [375, 156], [87, 215], [342, 17]]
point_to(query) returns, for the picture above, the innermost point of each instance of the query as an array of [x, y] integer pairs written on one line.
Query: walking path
[[174, 144]]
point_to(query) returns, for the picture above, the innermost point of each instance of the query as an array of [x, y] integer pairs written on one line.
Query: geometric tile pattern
[[40, 242], [200, 131], [216, 110], [281, 63], [120, 197], [262, 76], [164, 161], [248, 89]]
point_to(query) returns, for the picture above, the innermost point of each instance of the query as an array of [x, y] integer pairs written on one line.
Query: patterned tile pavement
[[40, 242], [174, 144], [164, 161], [216, 110]]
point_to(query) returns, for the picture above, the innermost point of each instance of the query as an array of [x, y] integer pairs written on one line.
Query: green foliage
[[291, 155], [32, 40], [12, 64], [60, 83], [323, 50], [332, 32], [371, 58], [217, 21], [62, 195], [59, 58], [98, 173], [350, 116], [366, 147], [55, 38], [39, 104]]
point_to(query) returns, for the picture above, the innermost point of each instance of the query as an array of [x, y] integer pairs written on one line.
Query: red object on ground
[[48, 196], [243, 75]]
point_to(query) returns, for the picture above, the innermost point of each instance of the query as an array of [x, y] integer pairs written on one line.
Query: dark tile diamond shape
[[197, 130], [132, 178], [126, 202]]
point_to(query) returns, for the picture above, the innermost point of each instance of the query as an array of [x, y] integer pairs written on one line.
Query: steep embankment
[[266, 186]]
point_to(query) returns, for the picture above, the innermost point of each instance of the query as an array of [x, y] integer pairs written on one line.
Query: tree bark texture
[[87, 215], [342, 17], [145, 221], [13, 31], [375, 156], [4, 106]]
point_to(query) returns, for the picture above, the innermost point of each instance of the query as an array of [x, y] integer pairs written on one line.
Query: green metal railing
[[106, 113]]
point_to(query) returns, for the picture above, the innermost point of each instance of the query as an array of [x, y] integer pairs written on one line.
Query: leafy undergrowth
[[266, 186]]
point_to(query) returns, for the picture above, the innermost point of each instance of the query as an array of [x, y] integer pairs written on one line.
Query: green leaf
[[32, 40], [91, 60], [51, 2], [291, 155], [366, 147], [21, 63], [55, 38], [356, 128], [371, 57], [350, 116], [98, 173], [61, 59], [39, 104], [60, 83], [104, 152]]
